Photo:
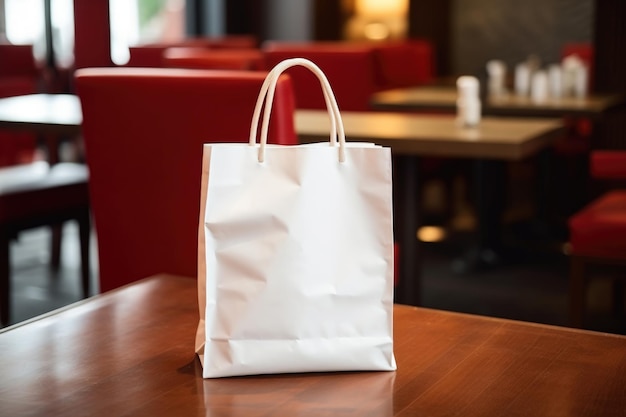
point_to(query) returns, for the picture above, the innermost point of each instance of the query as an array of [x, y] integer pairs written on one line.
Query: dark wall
[[431, 19], [610, 69], [511, 30]]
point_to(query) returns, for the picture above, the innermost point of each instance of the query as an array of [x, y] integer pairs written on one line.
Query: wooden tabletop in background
[[436, 135], [131, 352], [443, 98], [42, 113]]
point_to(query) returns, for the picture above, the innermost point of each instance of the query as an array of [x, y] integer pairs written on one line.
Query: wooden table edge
[[89, 300]]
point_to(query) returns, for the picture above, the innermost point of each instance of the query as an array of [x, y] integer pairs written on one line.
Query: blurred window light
[[135, 22], [25, 25], [62, 15]]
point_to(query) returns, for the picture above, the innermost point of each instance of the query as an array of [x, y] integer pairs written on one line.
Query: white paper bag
[[295, 252]]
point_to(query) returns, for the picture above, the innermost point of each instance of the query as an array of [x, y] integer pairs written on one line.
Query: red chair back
[[151, 55], [203, 58], [143, 130], [17, 147], [146, 56], [349, 68], [18, 61], [221, 42], [404, 63]]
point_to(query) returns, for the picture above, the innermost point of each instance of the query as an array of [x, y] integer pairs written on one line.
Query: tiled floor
[[532, 287], [36, 289]]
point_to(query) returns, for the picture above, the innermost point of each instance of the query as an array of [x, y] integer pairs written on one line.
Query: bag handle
[[267, 94]]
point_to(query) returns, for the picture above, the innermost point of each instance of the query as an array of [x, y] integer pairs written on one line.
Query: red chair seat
[[599, 230]]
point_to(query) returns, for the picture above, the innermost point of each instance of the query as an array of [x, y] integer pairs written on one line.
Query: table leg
[[5, 278], [51, 143], [489, 178], [407, 219]]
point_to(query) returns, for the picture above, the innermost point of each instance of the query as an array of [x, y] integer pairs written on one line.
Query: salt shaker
[[522, 79], [496, 70], [468, 101], [581, 81], [555, 80], [539, 86]]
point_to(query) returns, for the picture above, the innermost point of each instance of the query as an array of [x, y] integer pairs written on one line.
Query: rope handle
[[266, 99]]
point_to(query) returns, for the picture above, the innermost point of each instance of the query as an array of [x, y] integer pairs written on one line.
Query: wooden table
[[130, 352], [411, 136], [443, 98], [53, 116]]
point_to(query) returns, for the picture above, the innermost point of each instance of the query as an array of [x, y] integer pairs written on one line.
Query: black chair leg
[[5, 279], [84, 232], [55, 246], [577, 292]]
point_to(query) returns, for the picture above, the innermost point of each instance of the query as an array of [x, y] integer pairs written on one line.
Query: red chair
[[146, 56], [221, 42], [404, 63], [203, 58], [18, 61], [143, 131], [35, 195], [598, 231], [349, 68], [151, 55], [17, 147]]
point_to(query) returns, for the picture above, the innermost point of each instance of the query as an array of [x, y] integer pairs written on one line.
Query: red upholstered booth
[[598, 231], [143, 130]]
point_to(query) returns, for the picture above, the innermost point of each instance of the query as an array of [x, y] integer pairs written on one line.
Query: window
[[25, 24], [135, 22]]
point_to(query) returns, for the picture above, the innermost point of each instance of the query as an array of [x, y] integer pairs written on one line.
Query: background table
[[443, 98], [411, 136], [594, 107], [54, 117], [131, 352]]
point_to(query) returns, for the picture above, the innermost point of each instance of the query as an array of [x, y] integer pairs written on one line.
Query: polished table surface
[[130, 352], [443, 98]]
